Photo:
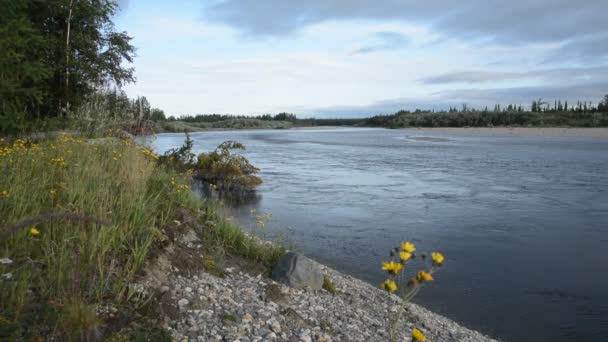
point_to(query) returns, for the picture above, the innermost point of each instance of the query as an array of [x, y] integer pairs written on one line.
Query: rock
[[247, 318], [298, 271], [276, 327], [183, 302]]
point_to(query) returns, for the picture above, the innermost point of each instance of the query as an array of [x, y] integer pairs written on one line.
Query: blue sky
[[340, 58]]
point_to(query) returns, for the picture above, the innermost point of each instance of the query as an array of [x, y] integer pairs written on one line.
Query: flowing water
[[522, 221]]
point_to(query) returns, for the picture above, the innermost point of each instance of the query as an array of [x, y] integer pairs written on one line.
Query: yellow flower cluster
[[260, 219], [66, 138], [424, 276], [417, 335], [149, 153], [389, 285], [437, 258], [58, 161], [4, 194], [392, 267], [393, 283], [34, 231], [182, 187]]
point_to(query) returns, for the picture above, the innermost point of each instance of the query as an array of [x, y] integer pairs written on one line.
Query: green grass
[[224, 233], [101, 209], [114, 200]]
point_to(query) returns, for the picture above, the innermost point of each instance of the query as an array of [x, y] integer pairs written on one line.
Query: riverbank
[[93, 250], [594, 132], [235, 303]]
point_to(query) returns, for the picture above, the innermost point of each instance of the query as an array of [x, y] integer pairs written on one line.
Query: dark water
[[522, 221]]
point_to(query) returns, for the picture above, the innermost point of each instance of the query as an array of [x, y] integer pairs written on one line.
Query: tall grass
[[77, 221], [224, 233], [123, 198]]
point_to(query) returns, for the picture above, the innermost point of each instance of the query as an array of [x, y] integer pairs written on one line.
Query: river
[[522, 221]]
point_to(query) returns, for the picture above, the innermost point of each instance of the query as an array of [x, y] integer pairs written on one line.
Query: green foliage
[[230, 237], [115, 198], [488, 119], [182, 157], [79, 321], [23, 68], [328, 285], [54, 55], [226, 169], [234, 123], [112, 109]]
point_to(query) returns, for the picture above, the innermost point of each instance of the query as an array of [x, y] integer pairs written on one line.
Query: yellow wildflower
[[392, 267], [408, 247], [418, 335], [437, 258], [34, 231], [267, 216], [424, 276], [258, 217], [4, 194], [261, 224], [389, 285], [405, 256], [252, 211]]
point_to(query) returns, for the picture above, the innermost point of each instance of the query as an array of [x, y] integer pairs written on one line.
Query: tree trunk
[[67, 61]]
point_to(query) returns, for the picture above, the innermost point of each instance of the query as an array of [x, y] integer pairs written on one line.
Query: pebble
[[236, 308]]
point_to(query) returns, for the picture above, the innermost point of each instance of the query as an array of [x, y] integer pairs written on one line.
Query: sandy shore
[[521, 131]]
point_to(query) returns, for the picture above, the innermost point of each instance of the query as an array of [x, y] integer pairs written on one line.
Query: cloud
[[562, 75], [593, 92], [472, 76], [473, 97], [517, 19], [588, 49], [388, 41], [498, 22]]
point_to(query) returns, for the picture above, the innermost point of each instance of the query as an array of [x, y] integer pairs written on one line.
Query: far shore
[[595, 132]]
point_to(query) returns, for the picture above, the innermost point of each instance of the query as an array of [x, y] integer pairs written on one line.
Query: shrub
[[227, 170]]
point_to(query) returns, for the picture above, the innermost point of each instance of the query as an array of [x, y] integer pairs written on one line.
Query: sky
[[353, 58]]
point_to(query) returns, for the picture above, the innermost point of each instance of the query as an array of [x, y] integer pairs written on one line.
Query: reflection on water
[[521, 220], [230, 198]]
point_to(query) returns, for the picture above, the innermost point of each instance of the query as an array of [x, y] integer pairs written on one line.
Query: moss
[[229, 317], [142, 331]]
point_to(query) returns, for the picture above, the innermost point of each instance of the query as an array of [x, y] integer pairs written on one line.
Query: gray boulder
[[298, 271]]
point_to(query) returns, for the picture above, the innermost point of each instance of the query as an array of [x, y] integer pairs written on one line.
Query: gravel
[[244, 307]]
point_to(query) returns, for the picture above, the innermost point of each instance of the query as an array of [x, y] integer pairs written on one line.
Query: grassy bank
[[78, 220], [240, 123]]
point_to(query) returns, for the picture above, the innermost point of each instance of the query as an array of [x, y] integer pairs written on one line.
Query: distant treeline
[[582, 114], [281, 117], [540, 113]]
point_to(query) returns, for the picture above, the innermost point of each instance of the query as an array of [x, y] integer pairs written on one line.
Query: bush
[[227, 170]]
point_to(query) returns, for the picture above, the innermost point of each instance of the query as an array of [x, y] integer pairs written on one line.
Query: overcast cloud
[[359, 57]]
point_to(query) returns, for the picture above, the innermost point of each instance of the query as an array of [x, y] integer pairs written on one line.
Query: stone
[[183, 302], [297, 271]]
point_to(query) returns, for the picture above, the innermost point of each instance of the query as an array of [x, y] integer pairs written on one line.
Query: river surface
[[522, 221]]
